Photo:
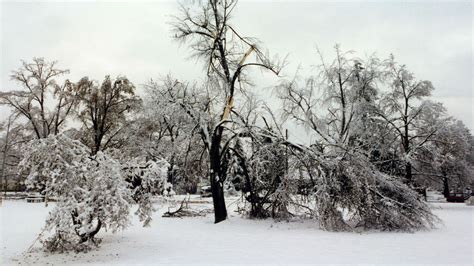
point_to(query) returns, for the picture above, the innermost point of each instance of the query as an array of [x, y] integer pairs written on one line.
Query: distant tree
[[206, 26], [443, 162], [103, 110], [14, 135], [43, 100], [402, 107], [165, 130]]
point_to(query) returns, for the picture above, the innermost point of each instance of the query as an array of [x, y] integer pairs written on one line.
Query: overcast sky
[[434, 39]]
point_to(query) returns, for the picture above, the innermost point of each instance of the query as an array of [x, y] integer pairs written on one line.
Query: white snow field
[[197, 240]]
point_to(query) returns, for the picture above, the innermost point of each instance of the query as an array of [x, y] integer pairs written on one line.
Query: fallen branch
[[185, 211]]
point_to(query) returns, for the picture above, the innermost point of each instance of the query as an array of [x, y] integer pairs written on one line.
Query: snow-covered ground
[[198, 241]]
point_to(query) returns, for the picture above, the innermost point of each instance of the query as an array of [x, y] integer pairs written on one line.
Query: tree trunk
[[408, 173], [89, 235], [406, 140], [171, 173], [217, 178], [220, 211], [445, 187]]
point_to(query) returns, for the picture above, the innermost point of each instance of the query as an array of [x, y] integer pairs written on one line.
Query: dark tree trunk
[[406, 147], [171, 173], [406, 140], [445, 187], [91, 235], [220, 211], [408, 173], [85, 236], [217, 178]]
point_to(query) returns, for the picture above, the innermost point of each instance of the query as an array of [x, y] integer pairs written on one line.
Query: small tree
[[147, 178], [91, 192], [13, 135]]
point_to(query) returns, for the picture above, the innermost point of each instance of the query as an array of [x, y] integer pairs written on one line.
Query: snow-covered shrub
[[146, 179], [90, 191], [93, 192], [259, 170], [352, 193]]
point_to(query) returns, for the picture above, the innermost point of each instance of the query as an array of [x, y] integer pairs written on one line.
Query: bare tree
[[5, 155], [336, 101], [402, 107], [41, 91], [228, 54], [104, 108], [15, 133], [443, 162], [165, 130]]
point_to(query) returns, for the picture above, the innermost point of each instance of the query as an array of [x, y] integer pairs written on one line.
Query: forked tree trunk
[[89, 235]]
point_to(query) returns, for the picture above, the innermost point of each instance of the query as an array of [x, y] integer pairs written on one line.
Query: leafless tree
[[443, 162], [401, 108], [333, 102], [345, 176], [164, 130], [103, 109], [40, 91], [206, 26]]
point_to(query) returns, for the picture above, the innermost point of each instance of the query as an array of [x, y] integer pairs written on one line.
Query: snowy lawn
[[198, 240]]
